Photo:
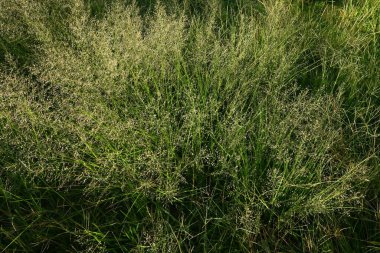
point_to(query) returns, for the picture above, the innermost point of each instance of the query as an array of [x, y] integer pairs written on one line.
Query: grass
[[189, 126]]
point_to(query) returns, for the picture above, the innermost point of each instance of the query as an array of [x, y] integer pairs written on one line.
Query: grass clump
[[186, 126]]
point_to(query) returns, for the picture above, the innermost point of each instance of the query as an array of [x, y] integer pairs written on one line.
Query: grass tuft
[[189, 126]]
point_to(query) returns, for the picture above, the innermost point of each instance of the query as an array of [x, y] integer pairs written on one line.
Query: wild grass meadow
[[190, 126]]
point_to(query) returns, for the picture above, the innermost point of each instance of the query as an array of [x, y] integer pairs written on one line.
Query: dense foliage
[[189, 126]]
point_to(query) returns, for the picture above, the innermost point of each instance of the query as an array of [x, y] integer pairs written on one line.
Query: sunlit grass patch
[[186, 126]]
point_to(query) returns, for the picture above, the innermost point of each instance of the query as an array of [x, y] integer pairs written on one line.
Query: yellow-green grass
[[189, 126]]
